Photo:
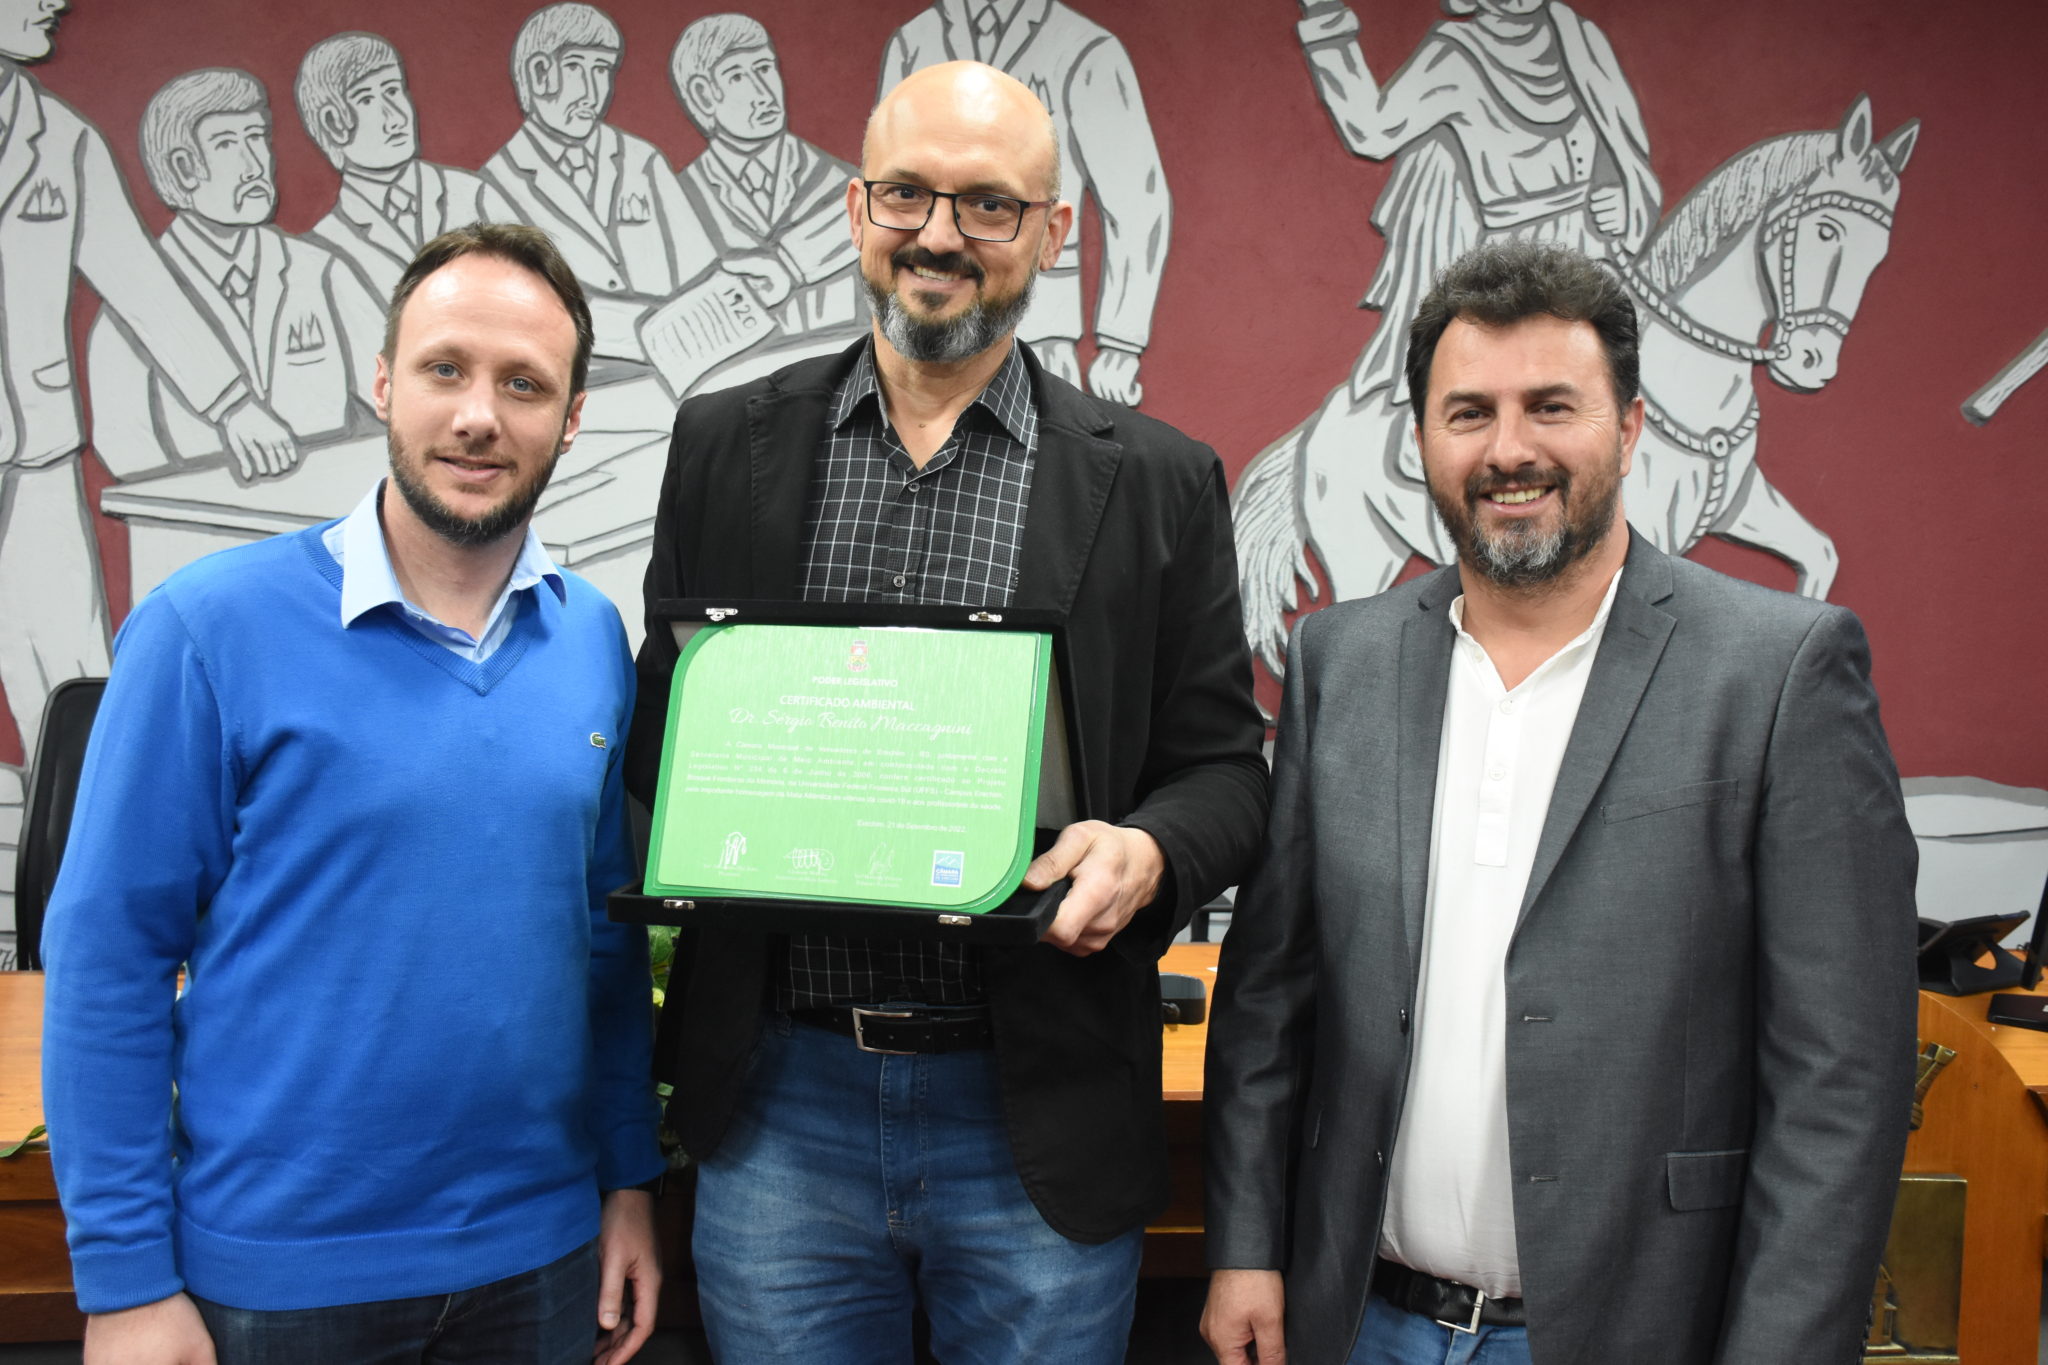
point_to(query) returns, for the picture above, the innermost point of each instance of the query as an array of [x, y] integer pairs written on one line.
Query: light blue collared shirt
[[368, 581]]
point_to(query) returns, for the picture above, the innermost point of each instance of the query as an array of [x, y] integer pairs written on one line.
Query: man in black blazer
[[1002, 1172], [1569, 1018]]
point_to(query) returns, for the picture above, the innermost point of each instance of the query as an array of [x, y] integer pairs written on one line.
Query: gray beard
[[1523, 561], [948, 341], [1515, 560]]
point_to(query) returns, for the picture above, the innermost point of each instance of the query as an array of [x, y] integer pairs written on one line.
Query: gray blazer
[[1710, 989]]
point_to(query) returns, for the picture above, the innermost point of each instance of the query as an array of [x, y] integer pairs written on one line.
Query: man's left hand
[[1114, 375], [1609, 209], [1115, 871], [625, 1251]]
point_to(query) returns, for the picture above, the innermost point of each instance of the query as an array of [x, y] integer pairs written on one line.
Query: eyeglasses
[[984, 217]]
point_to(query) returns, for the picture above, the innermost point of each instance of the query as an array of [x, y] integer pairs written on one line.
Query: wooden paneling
[[1983, 1123]]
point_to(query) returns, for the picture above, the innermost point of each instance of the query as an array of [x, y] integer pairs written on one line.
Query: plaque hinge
[[993, 618], [718, 614], [956, 921], [670, 903]]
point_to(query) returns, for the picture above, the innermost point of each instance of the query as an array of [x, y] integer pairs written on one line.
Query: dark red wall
[[1938, 522]]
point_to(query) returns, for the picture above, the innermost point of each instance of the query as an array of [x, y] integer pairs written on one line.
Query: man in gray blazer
[[1570, 1014]]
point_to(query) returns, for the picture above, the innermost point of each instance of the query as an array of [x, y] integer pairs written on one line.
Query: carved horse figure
[[1783, 236]]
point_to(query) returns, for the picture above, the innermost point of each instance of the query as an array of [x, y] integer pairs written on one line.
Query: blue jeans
[[543, 1317], [852, 1186], [1394, 1336]]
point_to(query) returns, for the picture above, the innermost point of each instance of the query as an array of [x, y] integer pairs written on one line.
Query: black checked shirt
[[879, 529]]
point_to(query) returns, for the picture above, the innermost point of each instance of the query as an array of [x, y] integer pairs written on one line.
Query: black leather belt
[[903, 1030], [1450, 1304]]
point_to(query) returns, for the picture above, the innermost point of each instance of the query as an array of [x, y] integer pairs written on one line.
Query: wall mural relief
[[1981, 406], [734, 267], [1518, 122], [230, 363], [302, 325], [219, 368], [1107, 153]]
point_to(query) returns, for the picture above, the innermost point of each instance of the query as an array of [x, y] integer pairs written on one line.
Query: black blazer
[[1128, 533]]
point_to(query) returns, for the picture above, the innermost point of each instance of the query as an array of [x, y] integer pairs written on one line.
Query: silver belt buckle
[[1471, 1328], [861, 1014]]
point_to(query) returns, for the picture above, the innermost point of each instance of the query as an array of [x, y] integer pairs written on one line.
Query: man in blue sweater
[[363, 784]]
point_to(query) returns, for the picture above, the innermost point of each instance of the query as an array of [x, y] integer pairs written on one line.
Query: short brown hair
[[1504, 282], [327, 71], [514, 242]]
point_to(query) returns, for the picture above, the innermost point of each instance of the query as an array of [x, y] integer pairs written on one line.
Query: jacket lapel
[[24, 126], [784, 428], [1637, 630], [733, 196], [549, 184], [1425, 673], [958, 29], [210, 298], [267, 315], [433, 206], [609, 156], [372, 223], [1017, 35], [1071, 474]]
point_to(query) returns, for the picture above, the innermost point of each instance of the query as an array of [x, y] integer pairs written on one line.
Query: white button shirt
[[1450, 1192]]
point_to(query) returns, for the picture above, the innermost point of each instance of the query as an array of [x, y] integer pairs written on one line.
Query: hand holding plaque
[[1115, 870]]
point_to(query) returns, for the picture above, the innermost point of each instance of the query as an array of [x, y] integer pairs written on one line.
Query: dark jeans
[[543, 1317], [853, 1186]]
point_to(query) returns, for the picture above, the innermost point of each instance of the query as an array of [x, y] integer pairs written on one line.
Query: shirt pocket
[[1706, 1180], [1632, 805]]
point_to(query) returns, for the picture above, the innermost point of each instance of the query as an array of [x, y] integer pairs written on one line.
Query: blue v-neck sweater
[[412, 1049]]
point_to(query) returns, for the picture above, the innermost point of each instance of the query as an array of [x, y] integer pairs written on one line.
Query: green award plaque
[[840, 765]]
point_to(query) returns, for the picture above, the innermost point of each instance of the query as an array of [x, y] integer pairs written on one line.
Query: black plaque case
[[1062, 791]]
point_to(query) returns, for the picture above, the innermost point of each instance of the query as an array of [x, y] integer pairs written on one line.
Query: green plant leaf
[[661, 952], [33, 1133]]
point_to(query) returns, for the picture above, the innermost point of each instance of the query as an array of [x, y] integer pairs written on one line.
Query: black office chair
[[46, 816]]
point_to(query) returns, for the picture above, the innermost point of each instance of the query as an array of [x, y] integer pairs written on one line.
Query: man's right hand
[[263, 446], [1245, 1316], [767, 277], [167, 1332]]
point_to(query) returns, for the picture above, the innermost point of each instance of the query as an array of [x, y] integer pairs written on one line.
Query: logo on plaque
[[731, 851], [815, 860], [947, 868], [857, 657]]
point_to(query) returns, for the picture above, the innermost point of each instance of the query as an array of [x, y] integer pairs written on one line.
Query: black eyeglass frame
[[1024, 207]]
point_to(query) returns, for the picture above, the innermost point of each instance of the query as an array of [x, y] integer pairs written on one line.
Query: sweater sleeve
[[149, 846], [625, 1110]]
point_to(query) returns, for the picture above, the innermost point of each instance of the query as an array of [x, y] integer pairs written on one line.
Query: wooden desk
[[35, 1271], [1985, 1121], [1173, 1245]]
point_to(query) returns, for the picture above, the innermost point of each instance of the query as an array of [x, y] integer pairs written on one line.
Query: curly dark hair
[[1504, 282]]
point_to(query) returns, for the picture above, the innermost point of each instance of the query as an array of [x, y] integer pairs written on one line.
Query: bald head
[[967, 105]]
